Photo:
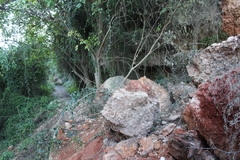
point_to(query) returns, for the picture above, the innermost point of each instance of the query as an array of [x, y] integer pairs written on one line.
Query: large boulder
[[113, 83], [231, 16], [215, 60], [133, 110], [214, 113], [108, 87]]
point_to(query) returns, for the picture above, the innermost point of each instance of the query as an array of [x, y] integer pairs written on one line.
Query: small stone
[[168, 129], [151, 155], [162, 158], [164, 122], [10, 148], [173, 118], [157, 145], [105, 140], [68, 125]]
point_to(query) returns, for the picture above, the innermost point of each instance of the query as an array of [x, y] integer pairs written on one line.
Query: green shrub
[[18, 113], [7, 155], [71, 86]]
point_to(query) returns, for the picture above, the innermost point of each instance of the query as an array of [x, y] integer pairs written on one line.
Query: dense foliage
[[23, 70], [96, 39]]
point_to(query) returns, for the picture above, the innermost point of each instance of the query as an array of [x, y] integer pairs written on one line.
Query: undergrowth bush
[[71, 86], [18, 113], [7, 155]]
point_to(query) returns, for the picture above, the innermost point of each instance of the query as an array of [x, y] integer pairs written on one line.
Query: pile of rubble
[[139, 122]]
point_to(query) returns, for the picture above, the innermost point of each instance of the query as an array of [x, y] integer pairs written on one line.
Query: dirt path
[[60, 92]]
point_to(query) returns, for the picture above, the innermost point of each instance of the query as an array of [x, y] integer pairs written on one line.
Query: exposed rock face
[[231, 16], [187, 145], [132, 111], [215, 60], [214, 113]]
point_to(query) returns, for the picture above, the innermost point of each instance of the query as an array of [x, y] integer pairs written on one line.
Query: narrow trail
[[60, 92]]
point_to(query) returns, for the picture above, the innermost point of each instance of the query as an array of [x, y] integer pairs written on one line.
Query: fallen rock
[[174, 117], [148, 144], [130, 113], [112, 155], [215, 60], [127, 148], [145, 148], [231, 16], [188, 145], [168, 129], [10, 148], [133, 110], [108, 87], [214, 113]]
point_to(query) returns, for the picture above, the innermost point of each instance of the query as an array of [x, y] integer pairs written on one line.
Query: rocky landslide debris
[[231, 16], [214, 113], [137, 124], [215, 60], [133, 110], [96, 143]]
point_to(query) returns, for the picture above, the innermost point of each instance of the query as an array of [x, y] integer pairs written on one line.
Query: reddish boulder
[[231, 16], [214, 113]]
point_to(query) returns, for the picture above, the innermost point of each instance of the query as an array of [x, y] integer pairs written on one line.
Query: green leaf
[[163, 11], [79, 5], [76, 47]]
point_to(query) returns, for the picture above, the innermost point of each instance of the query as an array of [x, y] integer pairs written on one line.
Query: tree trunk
[[98, 72]]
